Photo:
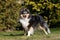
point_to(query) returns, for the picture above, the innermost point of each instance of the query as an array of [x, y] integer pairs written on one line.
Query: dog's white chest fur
[[24, 22]]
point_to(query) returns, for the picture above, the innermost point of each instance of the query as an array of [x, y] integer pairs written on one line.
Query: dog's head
[[24, 13]]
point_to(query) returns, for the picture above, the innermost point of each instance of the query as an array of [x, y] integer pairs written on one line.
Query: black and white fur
[[30, 22]]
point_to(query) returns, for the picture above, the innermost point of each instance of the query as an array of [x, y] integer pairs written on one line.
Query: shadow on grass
[[13, 34]]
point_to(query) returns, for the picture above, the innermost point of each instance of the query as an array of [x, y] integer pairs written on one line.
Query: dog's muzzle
[[24, 16]]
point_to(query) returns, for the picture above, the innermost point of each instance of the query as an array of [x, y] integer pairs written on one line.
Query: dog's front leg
[[28, 33], [31, 31], [25, 33]]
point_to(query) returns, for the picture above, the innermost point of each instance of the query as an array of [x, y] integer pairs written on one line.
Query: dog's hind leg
[[43, 30], [48, 30]]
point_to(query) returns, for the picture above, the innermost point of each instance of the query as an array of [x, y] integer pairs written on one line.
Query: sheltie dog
[[31, 22]]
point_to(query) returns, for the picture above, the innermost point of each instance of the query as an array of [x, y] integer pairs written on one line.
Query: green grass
[[39, 35]]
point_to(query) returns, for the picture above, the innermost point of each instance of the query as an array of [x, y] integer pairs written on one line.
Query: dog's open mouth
[[24, 16]]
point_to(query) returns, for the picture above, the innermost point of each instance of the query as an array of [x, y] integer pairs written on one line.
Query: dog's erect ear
[[27, 10], [21, 10]]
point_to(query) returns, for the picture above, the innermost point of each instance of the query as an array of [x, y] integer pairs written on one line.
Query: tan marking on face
[[21, 16]]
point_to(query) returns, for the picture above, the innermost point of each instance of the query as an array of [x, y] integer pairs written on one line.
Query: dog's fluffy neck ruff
[[25, 22]]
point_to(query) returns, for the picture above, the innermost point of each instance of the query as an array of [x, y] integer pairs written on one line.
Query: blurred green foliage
[[9, 11]]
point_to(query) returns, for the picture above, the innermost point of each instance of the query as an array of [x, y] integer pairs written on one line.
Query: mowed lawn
[[39, 35]]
